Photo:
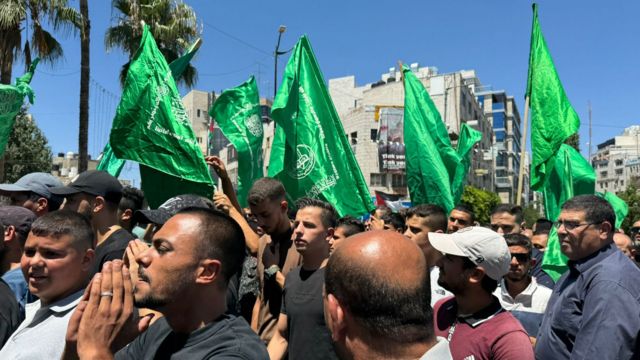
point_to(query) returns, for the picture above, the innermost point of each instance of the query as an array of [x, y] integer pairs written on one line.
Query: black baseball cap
[[93, 182], [171, 207]]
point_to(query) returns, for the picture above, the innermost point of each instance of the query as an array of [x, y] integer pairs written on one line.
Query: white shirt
[[41, 334], [532, 299], [437, 291], [439, 351]]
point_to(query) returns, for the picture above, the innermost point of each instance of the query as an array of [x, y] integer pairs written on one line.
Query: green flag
[[468, 138], [430, 159], [152, 128], [109, 162], [571, 175], [619, 206], [310, 152], [553, 119], [237, 112], [11, 100]]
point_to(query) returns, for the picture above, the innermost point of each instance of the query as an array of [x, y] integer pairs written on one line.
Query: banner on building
[[391, 140]]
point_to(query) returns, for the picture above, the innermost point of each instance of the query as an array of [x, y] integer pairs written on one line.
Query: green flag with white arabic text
[[310, 152], [237, 112], [431, 161], [152, 128], [11, 100]]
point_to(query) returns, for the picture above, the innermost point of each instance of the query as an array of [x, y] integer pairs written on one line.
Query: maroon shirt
[[491, 333]]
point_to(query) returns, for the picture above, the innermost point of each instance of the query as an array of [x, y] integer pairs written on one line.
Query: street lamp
[[281, 30]]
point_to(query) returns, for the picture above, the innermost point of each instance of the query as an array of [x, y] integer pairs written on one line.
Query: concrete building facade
[[617, 161]]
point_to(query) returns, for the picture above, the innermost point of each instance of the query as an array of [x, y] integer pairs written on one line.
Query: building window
[[199, 140], [498, 120], [198, 112], [618, 162], [354, 138], [378, 179], [374, 134], [618, 171], [398, 180], [232, 154], [603, 174], [500, 135]]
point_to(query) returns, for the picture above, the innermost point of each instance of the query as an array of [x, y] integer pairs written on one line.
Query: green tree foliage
[[632, 198], [574, 141], [173, 25], [531, 215], [481, 202], [27, 150]]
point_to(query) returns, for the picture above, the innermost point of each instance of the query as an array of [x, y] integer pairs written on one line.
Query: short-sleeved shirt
[[112, 248], [270, 296], [228, 337], [594, 310], [309, 337], [528, 306], [41, 334], [10, 314], [491, 333]]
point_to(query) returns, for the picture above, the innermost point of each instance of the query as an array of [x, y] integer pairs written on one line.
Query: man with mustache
[[184, 275], [56, 262]]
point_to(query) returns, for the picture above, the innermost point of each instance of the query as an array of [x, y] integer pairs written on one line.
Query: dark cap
[[171, 207], [18, 217], [38, 182], [93, 182]]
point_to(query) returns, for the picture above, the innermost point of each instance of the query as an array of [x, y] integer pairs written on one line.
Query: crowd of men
[[89, 272]]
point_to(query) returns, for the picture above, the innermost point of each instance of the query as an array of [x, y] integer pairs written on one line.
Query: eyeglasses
[[505, 228], [570, 226], [520, 257], [462, 222]]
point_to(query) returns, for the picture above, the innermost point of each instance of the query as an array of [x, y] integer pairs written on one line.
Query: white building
[[617, 161]]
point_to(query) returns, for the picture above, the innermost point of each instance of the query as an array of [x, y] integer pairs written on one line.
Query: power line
[[259, 62], [238, 39]]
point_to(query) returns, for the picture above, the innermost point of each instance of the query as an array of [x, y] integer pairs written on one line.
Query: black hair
[[467, 210], [266, 188], [596, 209], [220, 237], [132, 198], [434, 216], [488, 284], [383, 208], [329, 215], [514, 210], [519, 240], [65, 222], [350, 225], [543, 227], [399, 312], [394, 219]]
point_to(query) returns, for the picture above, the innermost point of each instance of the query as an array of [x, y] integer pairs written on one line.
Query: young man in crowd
[[132, 201], [96, 195], [276, 253], [17, 224], [541, 230], [422, 220], [594, 311], [473, 321], [460, 218], [57, 260], [518, 291], [347, 226], [301, 331], [183, 275], [509, 219], [377, 291], [624, 244], [33, 191], [10, 313], [394, 222]]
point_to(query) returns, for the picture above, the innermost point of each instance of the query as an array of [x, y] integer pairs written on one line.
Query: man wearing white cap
[[473, 321]]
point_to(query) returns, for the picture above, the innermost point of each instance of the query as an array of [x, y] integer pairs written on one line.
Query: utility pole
[[589, 103]]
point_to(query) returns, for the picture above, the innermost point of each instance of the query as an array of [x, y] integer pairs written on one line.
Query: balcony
[[503, 182]]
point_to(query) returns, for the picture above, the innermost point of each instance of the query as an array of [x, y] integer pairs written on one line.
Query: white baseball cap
[[484, 247]]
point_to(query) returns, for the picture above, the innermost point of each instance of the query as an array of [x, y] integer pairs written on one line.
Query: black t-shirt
[[10, 314], [112, 248], [309, 337], [228, 337]]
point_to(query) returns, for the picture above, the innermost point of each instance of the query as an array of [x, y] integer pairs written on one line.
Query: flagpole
[[523, 149]]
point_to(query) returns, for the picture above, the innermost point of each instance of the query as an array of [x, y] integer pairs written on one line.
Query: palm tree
[[17, 16], [173, 25], [83, 131]]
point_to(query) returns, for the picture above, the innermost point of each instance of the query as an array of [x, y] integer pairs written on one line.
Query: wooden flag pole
[[523, 149]]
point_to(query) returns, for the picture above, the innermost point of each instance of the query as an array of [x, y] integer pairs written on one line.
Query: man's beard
[[153, 301]]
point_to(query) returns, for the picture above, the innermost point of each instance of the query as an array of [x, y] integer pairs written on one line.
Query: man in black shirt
[[184, 275], [96, 195], [301, 329]]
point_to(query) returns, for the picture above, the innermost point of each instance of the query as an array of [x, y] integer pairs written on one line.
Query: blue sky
[[594, 46]]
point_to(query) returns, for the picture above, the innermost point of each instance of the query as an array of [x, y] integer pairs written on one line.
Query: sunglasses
[[520, 257], [459, 221], [505, 228], [635, 229]]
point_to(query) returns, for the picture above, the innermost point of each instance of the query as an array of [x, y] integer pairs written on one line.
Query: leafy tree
[[18, 15], [172, 23], [632, 198], [27, 150], [481, 202], [531, 215], [574, 141]]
